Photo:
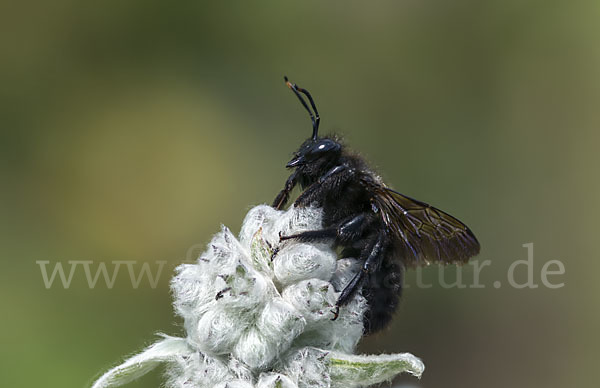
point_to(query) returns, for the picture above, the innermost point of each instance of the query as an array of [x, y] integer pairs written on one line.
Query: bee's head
[[314, 152], [321, 151]]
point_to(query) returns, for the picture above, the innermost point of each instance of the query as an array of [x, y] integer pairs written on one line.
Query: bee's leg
[[331, 182], [347, 230], [284, 194], [353, 228], [311, 235], [371, 264]]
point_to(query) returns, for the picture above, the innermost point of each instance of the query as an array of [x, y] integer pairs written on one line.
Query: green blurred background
[[130, 130]]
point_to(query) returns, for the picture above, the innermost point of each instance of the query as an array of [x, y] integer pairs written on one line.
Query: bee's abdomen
[[382, 289]]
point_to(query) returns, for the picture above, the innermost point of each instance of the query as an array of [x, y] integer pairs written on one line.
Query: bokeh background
[[132, 130]]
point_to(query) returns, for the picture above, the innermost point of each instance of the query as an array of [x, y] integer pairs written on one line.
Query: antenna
[[316, 120]]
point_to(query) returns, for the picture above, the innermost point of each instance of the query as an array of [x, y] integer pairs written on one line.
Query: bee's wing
[[424, 233]]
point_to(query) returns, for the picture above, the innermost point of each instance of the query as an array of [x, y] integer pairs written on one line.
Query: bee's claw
[[220, 293], [283, 238], [275, 252], [336, 313]]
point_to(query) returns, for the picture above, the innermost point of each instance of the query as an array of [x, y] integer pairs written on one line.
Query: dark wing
[[423, 233]]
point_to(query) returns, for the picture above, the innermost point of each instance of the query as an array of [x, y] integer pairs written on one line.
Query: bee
[[382, 228]]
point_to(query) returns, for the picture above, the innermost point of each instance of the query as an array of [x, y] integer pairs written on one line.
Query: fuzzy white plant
[[256, 322]]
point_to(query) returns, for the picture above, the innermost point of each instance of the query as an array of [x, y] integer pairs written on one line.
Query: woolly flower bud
[[304, 261], [275, 380], [259, 313]]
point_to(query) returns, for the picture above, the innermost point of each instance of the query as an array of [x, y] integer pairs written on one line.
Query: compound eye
[[323, 147]]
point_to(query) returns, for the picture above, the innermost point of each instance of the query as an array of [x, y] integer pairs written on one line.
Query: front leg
[[284, 194], [330, 182]]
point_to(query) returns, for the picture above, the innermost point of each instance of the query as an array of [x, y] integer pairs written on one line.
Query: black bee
[[387, 231]]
